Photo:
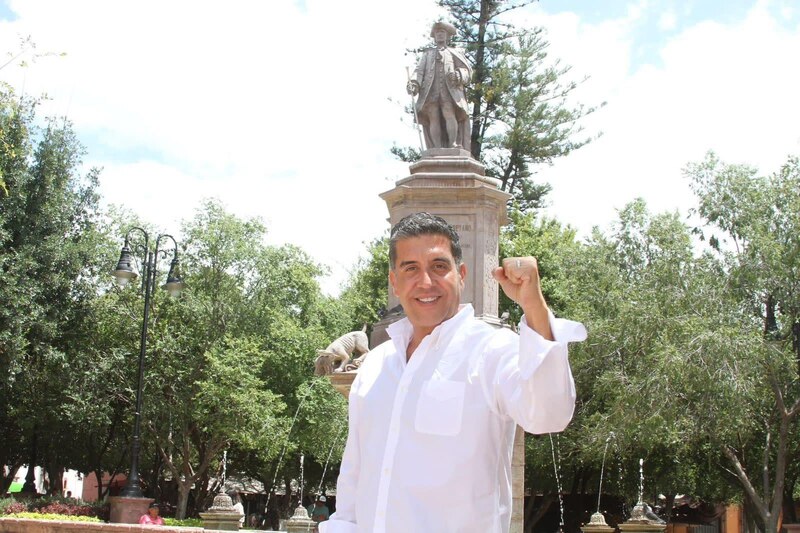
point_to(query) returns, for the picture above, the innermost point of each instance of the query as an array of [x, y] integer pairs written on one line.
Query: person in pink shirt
[[152, 518]]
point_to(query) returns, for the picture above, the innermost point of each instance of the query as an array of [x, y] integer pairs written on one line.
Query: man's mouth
[[428, 299]]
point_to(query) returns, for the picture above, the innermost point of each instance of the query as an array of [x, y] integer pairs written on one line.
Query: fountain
[[642, 519], [221, 515], [300, 522], [597, 523], [286, 445], [556, 471]]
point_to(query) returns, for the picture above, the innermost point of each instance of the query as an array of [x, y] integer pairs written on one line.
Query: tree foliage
[[49, 245]]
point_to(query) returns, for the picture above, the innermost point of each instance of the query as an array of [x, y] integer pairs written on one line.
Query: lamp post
[[125, 273]]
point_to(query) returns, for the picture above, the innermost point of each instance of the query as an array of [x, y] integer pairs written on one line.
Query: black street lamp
[[124, 273]]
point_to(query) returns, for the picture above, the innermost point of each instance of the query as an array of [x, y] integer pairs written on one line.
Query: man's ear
[[462, 270], [392, 281]]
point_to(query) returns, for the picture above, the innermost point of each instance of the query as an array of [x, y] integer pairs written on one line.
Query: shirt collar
[[400, 331]]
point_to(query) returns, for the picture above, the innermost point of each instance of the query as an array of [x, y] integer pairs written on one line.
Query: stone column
[[448, 182]]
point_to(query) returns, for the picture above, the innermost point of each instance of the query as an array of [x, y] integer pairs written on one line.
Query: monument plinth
[[449, 183]]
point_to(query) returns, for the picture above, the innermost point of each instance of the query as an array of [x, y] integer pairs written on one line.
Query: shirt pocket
[[440, 408]]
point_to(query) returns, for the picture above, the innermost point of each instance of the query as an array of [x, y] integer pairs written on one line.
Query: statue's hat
[[441, 25]]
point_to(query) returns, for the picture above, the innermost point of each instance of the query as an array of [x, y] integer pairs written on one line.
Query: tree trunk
[[184, 488], [770, 322], [531, 517], [5, 481], [796, 343], [480, 78], [789, 512], [56, 476], [668, 504]]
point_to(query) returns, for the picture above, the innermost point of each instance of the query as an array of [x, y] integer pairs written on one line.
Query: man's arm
[[532, 382]]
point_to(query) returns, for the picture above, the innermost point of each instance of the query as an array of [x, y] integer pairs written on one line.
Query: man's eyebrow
[[442, 259]]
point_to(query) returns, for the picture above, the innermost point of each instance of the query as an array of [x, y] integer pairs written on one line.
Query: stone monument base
[[125, 510]]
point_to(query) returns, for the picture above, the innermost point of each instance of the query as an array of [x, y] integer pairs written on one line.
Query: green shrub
[[186, 522], [51, 516]]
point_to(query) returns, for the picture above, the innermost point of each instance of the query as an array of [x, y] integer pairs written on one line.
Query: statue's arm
[[415, 83], [463, 68]]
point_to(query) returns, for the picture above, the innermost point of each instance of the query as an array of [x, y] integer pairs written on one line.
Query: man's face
[[427, 280], [440, 37]]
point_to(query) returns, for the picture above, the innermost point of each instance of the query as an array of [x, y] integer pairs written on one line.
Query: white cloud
[[283, 112], [726, 88], [280, 111], [667, 20]]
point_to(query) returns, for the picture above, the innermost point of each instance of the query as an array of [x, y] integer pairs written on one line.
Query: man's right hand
[[412, 87]]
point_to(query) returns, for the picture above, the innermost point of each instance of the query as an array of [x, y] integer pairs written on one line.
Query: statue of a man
[[439, 81]]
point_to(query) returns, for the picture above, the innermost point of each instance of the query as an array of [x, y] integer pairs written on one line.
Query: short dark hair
[[153, 505], [418, 224]]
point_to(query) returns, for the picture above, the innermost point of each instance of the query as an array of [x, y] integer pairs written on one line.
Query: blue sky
[[270, 106]]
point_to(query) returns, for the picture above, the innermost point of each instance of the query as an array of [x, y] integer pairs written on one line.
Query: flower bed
[[54, 506]]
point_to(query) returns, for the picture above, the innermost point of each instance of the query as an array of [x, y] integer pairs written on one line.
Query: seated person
[[152, 518]]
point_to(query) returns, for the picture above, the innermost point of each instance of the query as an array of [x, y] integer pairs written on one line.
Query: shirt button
[[387, 471]]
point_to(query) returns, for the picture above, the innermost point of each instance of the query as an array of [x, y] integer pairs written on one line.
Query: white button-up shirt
[[430, 439]]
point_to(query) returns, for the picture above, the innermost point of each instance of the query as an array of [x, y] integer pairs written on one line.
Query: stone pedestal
[[449, 183], [597, 524], [518, 482], [342, 381], [221, 516], [640, 522], [300, 522], [127, 510]]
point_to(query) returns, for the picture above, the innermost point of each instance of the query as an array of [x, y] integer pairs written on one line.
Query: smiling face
[[427, 281]]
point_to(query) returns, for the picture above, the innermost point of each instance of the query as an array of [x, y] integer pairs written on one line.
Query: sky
[[286, 110]]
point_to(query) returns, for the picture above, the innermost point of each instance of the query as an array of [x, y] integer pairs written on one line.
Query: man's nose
[[425, 278]]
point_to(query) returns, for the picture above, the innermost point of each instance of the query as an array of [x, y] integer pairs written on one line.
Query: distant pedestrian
[[237, 505], [318, 511]]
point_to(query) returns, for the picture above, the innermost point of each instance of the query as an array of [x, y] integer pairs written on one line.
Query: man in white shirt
[[433, 410]]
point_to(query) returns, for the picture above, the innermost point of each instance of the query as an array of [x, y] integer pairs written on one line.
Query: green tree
[[759, 219], [367, 290], [49, 245], [230, 360]]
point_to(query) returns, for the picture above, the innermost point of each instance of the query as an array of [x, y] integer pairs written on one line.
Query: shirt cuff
[[337, 526], [533, 348]]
